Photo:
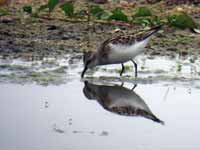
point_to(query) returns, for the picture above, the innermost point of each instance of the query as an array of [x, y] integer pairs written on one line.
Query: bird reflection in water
[[119, 100]]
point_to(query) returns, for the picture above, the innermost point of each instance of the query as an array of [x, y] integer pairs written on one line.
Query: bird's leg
[[135, 65], [122, 69], [85, 69], [82, 74], [122, 84], [135, 85]]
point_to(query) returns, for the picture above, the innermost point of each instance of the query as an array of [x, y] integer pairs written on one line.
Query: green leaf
[[181, 20], [117, 14], [156, 21], [27, 9], [35, 15], [52, 4], [81, 13], [97, 11], [68, 8], [143, 21], [142, 12], [43, 7], [3, 12], [147, 21], [106, 15]]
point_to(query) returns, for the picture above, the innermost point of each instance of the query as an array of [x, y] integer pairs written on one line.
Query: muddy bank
[[23, 35], [54, 37]]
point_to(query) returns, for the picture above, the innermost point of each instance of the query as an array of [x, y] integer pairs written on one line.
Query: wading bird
[[119, 50]]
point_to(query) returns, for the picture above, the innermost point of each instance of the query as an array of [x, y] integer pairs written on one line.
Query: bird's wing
[[121, 39], [124, 40], [131, 38]]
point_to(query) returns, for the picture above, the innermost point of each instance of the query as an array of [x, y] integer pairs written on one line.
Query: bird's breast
[[121, 53]]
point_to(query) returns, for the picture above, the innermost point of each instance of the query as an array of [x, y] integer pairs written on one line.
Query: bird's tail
[[152, 31]]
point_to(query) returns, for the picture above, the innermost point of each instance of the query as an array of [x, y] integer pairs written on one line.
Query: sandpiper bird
[[119, 100], [119, 50]]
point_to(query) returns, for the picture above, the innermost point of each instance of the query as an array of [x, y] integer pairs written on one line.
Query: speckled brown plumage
[[127, 39]]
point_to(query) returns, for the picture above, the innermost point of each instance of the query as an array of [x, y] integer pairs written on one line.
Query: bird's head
[[89, 60]]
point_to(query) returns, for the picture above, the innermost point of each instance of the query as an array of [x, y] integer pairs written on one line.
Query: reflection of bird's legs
[[135, 85], [122, 84]]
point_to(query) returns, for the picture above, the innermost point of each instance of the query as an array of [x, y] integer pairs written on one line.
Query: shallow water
[[61, 117], [101, 113]]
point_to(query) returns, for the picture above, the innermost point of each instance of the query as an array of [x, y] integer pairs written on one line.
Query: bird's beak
[[85, 69]]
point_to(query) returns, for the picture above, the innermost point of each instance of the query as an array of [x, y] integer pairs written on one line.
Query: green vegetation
[[50, 6], [27, 9], [42, 8], [181, 20], [147, 21], [142, 16], [179, 67], [3, 12], [68, 8], [25, 74], [143, 12], [128, 67], [117, 14], [97, 11]]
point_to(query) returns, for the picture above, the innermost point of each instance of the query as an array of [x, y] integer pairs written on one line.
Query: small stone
[[184, 53], [124, 3], [6, 19], [180, 9], [52, 27]]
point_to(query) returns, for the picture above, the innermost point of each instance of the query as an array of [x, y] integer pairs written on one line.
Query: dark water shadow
[[119, 100]]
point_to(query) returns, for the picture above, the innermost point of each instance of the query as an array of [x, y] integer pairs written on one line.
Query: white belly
[[121, 53]]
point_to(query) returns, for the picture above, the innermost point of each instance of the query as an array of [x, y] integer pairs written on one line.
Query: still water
[[99, 113], [152, 116]]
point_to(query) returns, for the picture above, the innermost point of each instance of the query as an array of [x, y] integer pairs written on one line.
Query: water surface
[[101, 113], [61, 117]]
